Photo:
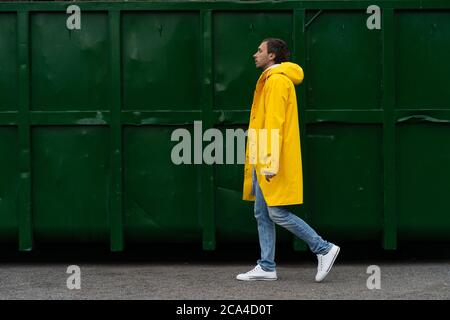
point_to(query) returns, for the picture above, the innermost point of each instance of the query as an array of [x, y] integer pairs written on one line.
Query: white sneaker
[[257, 274], [325, 262]]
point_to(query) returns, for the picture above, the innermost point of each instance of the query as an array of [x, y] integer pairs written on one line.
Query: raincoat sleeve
[[276, 100]]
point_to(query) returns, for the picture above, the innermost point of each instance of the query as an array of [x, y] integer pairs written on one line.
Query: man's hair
[[279, 48]]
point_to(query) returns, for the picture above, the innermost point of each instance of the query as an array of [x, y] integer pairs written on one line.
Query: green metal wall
[[86, 118]]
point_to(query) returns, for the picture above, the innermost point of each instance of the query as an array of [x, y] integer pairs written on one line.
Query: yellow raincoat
[[275, 107]]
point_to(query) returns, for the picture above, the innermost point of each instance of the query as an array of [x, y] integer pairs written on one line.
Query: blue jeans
[[266, 217]]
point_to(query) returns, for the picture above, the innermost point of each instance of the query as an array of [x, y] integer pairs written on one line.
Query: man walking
[[273, 173]]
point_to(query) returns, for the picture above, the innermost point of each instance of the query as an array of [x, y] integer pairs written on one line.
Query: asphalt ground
[[178, 274], [203, 281]]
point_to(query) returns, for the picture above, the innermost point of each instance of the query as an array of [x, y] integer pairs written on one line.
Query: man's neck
[[273, 65], [269, 66]]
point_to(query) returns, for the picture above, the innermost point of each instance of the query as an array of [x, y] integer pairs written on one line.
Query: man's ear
[[272, 56]]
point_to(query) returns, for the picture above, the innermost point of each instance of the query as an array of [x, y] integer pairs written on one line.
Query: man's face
[[262, 58]]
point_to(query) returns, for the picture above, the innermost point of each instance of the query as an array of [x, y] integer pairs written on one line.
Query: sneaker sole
[[258, 279], [331, 264], [332, 261]]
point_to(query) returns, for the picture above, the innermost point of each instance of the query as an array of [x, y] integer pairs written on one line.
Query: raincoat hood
[[291, 70]]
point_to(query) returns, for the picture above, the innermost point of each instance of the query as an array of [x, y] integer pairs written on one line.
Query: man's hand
[[268, 175]]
